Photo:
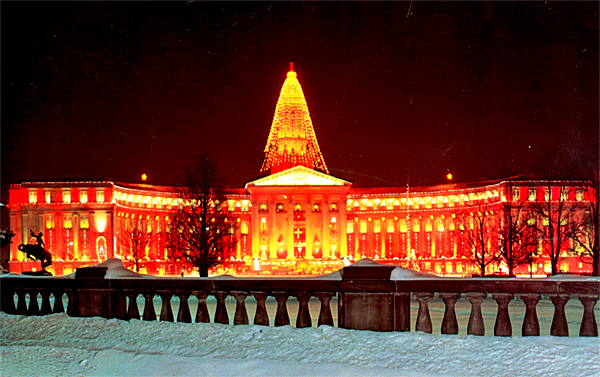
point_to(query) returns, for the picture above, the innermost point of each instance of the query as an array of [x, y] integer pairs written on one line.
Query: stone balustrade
[[367, 298]]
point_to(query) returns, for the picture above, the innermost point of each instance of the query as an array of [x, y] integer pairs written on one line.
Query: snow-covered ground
[[57, 345]]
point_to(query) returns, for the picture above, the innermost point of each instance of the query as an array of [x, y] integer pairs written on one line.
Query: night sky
[[109, 91]]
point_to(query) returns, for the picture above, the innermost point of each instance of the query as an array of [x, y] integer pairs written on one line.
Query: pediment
[[299, 176]]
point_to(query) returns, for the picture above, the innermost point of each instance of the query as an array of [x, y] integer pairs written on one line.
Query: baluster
[[476, 325], [149, 312], [325, 317], [71, 303], [132, 310], [34, 308], [588, 322], [449, 323], [241, 315], [559, 321], [261, 317], [21, 302], [184, 309], [531, 326], [166, 313], [503, 326], [401, 311], [303, 319], [281, 318], [8, 300], [423, 317], [221, 315], [46, 307], [58, 303], [202, 315]]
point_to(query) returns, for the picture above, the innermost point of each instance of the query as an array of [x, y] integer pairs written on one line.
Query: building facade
[[296, 220]]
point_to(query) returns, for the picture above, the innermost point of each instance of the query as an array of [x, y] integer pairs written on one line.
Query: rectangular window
[[532, 195], [66, 196], [579, 195], [68, 224], [416, 226], [390, 226], [48, 195], [83, 196], [244, 228], [84, 223], [100, 196], [279, 207], [363, 227], [263, 207], [377, 227], [49, 223], [564, 195], [516, 194], [350, 227], [333, 207], [403, 226], [230, 206], [546, 195], [32, 197], [316, 207]]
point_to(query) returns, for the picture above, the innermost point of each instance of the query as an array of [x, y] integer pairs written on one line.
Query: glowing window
[[390, 226], [66, 196], [230, 206], [32, 197], [416, 226], [263, 225], [428, 226], [516, 194], [83, 196], [546, 195], [564, 195], [297, 207], [531, 220], [440, 225], [403, 226], [84, 223], [333, 219], [49, 223], [451, 225], [377, 227], [100, 196], [68, 223], [244, 206], [279, 207], [363, 227], [262, 207], [333, 207], [244, 228], [316, 207], [531, 195], [579, 195], [48, 195], [350, 227]]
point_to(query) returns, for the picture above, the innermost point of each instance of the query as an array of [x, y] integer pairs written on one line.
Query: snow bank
[[61, 345]]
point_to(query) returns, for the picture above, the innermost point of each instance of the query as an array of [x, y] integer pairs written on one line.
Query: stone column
[[241, 316], [588, 322], [476, 325], [531, 326], [503, 326], [325, 317], [261, 317], [423, 317], [559, 320], [449, 323]]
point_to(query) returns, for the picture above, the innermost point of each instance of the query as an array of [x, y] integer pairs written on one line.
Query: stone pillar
[[503, 326], [423, 317], [281, 318], [303, 319], [559, 321], [241, 316], [531, 326], [449, 323], [588, 322], [261, 317], [221, 315], [184, 309], [202, 315], [325, 317], [476, 325]]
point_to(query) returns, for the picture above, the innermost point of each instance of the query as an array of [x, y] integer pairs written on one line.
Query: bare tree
[[478, 226], [556, 211], [516, 238], [135, 240], [202, 232], [586, 230]]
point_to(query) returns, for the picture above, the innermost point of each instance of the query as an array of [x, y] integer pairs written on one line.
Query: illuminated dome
[[292, 140]]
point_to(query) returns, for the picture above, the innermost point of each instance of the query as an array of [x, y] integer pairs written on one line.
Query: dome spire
[[292, 140]]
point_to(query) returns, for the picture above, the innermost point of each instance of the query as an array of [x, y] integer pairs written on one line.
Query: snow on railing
[[370, 296]]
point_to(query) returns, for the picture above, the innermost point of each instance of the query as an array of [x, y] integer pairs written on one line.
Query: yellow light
[[144, 177], [449, 176]]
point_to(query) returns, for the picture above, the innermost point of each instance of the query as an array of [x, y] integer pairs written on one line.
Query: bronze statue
[[35, 250]]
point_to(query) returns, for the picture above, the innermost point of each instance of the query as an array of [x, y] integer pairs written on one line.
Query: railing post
[[202, 315], [21, 302], [34, 308], [588, 322], [46, 307], [281, 318], [132, 309], [476, 325], [261, 317], [325, 317], [184, 309], [58, 304], [166, 313], [531, 326], [221, 315], [449, 323], [241, 315], [303, 319], [503, 326], [559, 321], [149, 312], [401, 311], [423, 317]]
